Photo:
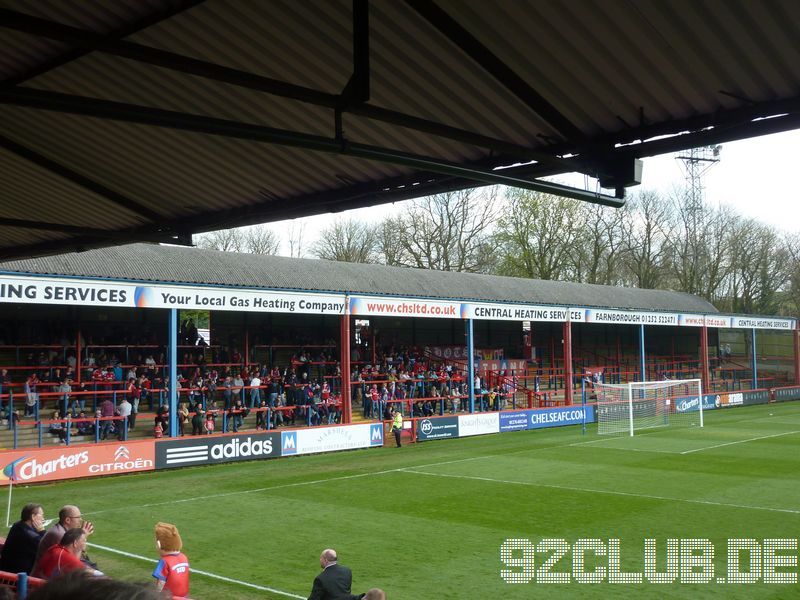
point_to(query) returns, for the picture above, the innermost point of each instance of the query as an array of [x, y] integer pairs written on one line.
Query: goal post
[[628, 407]]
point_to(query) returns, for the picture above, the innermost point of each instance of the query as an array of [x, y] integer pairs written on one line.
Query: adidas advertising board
[[210, 450]]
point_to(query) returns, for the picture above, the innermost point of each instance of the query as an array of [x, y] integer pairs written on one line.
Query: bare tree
[[227, 240], [255, 240], [701, 247], [649, 226], [599, 245], [762, 269], [259, 239], [348, 241], [387, 245], [296, 238], [535, 235], [792, 302], [448, 232]]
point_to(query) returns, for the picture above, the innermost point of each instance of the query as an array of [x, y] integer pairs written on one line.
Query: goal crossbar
[[627, 407]]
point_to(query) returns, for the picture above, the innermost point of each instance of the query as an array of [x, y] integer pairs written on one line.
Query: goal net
[[627, 407]]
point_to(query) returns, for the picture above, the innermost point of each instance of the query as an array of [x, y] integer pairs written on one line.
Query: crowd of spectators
[[218, 396]]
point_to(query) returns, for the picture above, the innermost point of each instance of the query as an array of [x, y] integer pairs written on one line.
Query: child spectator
[[210, 422]]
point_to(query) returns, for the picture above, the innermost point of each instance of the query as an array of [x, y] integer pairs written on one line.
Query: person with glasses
[[69, 517]]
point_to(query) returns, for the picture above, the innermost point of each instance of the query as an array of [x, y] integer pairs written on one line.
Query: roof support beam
[[493, 65], [116, 111], [176, 7], [94, 42], [116, 236], [357, 89], [160, 58], [78, 179]]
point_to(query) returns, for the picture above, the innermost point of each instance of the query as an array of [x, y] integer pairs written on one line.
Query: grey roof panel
[[174, 264]]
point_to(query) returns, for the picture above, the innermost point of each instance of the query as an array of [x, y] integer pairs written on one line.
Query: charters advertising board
[[34, 465]]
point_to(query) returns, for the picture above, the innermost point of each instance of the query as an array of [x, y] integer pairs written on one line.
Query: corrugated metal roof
[[465, 82], [172, 264]]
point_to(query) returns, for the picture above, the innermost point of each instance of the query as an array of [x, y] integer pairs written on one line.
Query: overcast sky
[[759, 177]]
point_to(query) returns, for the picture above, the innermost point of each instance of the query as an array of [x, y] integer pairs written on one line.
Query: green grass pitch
[[428, 520]]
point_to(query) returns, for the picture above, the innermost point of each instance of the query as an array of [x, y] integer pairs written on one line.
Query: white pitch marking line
[[610, 492], [753, 439], [283, 486], [205, 573]]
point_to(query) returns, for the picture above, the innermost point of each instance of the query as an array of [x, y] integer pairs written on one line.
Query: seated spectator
[[64, 556], [84, 425], [162, 418], [19, 551], [57, 428]]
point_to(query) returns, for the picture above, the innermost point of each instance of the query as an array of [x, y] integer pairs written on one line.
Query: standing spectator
[[172, 571], [135, 396], [210, 424], [107, 411], [125, 410], [261, 416], [31, 397], [183, 417], [197, 419], [236, 415], [227, 392], [65, 388], [5, 381], [335, 580], [397, 425], [255, 391], [238, 384], [19, 551]]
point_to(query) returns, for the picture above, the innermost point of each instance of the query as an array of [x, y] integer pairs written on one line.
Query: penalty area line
[[261, 588], [609, 492], [753, 439], [282, 486]]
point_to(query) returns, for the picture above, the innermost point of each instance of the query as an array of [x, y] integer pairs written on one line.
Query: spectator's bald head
[[327, 557]]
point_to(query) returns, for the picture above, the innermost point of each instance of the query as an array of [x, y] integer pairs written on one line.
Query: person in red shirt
[[172, 571], [64, 556]]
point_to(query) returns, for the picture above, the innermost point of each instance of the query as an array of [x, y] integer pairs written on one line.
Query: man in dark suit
[[335, 580]]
